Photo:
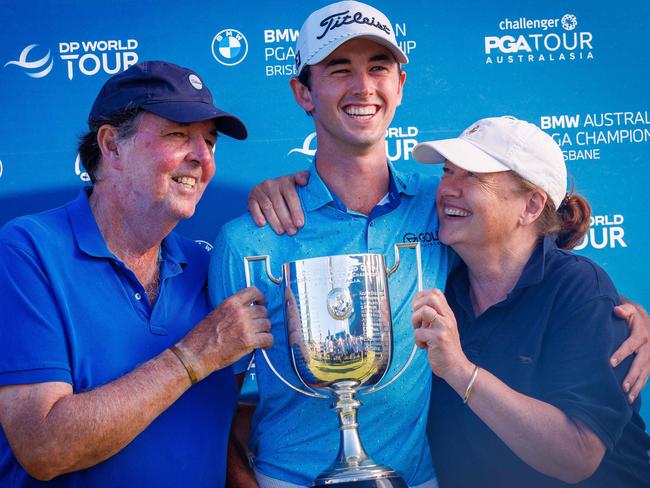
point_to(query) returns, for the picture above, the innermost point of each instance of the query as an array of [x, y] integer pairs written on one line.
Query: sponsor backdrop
[[578, 69]]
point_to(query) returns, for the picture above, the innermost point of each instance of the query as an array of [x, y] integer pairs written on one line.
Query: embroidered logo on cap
[[335, 21], [195, 81]]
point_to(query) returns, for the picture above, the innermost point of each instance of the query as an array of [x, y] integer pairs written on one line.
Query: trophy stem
[[353, 467], [351, 452]]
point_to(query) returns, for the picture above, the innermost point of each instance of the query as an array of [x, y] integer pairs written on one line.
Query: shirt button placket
[[372, 237]]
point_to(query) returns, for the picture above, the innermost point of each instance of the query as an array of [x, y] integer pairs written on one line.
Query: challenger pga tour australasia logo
[[525, 40]]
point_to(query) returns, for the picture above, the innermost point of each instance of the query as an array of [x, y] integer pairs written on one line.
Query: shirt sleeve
[[578, 378], [33, 342], [225, 278]]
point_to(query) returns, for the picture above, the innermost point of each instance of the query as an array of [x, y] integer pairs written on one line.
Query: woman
[[523, 392]]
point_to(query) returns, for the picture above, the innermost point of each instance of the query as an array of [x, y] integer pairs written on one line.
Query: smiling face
[[478, 210], [354, 93], [165, 167]]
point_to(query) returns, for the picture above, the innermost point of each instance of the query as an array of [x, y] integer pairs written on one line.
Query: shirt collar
[[84, 227], [316, 194], [532, 274], [90, 239]]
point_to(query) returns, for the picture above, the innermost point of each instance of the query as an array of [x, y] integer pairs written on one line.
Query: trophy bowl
[[338, 321]]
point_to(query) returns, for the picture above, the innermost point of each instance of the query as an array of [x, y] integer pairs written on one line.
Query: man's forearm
[[80, 430]]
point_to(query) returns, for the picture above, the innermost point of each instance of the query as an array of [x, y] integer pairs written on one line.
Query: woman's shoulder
[[578, 276]]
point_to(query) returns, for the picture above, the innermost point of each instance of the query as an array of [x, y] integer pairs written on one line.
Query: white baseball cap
[[329, 27], [503, 144]]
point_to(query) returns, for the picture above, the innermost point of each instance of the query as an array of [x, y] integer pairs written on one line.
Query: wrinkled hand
[[436, 330], [638, 341], [229, 332], [276, 202]]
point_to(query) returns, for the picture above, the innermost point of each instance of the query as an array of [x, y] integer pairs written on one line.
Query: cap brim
[[323, 53], [189, 112], [459, 152]]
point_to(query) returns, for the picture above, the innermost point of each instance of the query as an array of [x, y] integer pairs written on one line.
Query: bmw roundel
[[229, 47]]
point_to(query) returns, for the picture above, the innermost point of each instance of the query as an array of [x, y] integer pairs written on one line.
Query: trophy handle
[[418, 262], [277, 281], [267, 262]]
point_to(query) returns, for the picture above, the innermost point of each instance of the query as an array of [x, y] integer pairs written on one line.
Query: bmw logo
[[229, 47]]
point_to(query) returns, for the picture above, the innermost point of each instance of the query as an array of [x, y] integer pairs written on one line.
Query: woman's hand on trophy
[[276, 201], [436, 330]]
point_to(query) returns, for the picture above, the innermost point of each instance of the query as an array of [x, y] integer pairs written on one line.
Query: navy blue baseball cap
[[167, 90]]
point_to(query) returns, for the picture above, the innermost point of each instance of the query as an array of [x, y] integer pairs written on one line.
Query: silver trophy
[[338, 321]]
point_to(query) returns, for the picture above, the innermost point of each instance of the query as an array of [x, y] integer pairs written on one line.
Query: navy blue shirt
[[70, 311], [550, 339]]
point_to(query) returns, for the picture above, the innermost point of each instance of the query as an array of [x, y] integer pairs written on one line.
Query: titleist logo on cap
[[335, 21]]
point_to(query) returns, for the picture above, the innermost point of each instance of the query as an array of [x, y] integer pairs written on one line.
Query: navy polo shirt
[[70, 311], [550, 339]]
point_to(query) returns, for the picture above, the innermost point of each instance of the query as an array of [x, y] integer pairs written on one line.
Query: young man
[[351, 83]]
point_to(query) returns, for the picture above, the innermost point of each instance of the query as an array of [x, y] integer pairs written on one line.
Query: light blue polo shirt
[[295, 437], [70, 311]]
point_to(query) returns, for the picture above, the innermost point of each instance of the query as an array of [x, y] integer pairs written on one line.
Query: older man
[[113, 369]]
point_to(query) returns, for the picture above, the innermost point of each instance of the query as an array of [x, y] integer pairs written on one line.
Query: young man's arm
[[239, 473]]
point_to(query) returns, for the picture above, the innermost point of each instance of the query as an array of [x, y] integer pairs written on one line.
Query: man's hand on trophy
[[276, 202], [236, 327], [436, 330]]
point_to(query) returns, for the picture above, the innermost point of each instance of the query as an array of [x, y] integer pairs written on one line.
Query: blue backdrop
[[578, 69]]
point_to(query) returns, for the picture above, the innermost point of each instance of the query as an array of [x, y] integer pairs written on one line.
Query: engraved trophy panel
[[338, 319]]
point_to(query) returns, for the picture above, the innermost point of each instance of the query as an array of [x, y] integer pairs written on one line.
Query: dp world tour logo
[[306, 148], [229, 47], [37, 68], [204, 244], [78, 170]]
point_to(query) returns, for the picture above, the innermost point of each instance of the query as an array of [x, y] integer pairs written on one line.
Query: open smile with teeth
[[186, 181], [360, 111], [456, 212]]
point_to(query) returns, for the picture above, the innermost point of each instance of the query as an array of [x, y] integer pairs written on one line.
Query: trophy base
[[369, 476], [380, 483]]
